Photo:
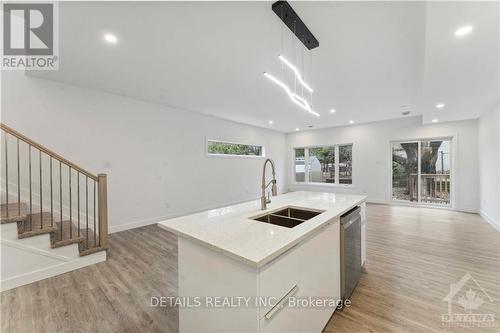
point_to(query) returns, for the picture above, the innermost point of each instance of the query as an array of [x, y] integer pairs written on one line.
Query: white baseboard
[[153, 220], [394, 203], [490, 220], [377, 202], [23, 279], [136, 224]]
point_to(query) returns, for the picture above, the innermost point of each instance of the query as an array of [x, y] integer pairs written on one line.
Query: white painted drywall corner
[[489, 166]]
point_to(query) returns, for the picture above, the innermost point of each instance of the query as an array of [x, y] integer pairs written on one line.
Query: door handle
[[281, 303]]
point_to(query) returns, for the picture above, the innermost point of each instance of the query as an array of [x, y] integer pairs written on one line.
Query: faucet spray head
[[274, 189]]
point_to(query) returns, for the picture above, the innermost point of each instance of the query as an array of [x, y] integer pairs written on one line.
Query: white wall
[[371, 155], [489, 165], [154, 155]]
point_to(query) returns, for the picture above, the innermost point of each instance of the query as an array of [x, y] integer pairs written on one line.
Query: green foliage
[[233, 149], [345, 154], [324, 154]]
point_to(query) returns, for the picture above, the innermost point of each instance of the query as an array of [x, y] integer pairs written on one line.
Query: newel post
[[103, 209]]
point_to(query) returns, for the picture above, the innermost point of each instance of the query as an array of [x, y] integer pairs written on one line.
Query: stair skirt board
[[36, 246], [61, 264]]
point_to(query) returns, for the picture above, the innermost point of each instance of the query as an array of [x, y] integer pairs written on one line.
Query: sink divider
[[288, 217]]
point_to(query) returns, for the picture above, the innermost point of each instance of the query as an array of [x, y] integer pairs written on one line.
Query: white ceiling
[[373, 58], [462, 72]]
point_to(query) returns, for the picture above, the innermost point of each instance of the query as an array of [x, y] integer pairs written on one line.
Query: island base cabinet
[[212, 277], [308, 271], [306, 283]]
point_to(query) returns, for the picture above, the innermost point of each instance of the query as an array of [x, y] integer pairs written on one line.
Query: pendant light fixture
[[299, 29], [293, 96], [297, 73]]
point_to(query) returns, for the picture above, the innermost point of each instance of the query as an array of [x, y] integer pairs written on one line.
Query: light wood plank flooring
[[413, 255]]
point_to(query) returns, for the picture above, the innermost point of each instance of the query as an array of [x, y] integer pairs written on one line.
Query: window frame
[[453, 138], [208, 154], [306, 181]]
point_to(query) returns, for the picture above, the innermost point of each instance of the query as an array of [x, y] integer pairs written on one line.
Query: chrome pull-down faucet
[[263, 200]]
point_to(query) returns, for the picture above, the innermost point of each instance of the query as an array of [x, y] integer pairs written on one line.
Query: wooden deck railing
[[91, 220], [435, 188]]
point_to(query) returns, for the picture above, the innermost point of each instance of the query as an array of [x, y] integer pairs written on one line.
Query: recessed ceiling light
[[435, 120], [110, 38], [297, 129], [351, 122], [332, 111], [439, 106], [462, 31], [270, 122]]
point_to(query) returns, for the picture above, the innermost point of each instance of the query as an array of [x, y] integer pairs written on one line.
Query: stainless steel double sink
[[288, 217]]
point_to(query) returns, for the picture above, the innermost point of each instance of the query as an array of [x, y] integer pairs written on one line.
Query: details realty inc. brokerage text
[[246, 301]]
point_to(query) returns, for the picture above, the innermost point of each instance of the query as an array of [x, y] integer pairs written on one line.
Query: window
[[233, 149], [421, 171], [327, 164], [345, 164], [321, 165], [300, 166]]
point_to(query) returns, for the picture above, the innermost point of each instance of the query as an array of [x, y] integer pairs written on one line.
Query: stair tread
[[64, 235], [15, 212], [36, 224], [93, 250], [45, 223], [93, 240], [68, 230]]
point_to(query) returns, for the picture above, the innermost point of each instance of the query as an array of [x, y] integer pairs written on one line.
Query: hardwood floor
[[112, 296], [413, 255]]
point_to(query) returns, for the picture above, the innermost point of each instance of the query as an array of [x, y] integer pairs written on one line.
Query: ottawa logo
[[468, 294]]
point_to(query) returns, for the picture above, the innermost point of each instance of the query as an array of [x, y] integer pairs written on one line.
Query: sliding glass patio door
[[421, 171]]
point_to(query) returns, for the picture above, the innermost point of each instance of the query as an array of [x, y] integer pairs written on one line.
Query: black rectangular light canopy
[[286, 13]]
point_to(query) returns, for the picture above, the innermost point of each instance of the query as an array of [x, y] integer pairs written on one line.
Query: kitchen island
[[257, 270]]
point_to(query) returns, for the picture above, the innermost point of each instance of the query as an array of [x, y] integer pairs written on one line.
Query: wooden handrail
[[100, 200], [46, 151], [103, 210]]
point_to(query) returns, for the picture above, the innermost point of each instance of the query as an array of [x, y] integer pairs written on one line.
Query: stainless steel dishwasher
[[350, 251]]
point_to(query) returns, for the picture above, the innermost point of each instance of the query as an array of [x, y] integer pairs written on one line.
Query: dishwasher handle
[[350, 217], [348, 224]]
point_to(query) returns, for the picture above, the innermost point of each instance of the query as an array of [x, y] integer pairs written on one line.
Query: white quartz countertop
[[231, 231]]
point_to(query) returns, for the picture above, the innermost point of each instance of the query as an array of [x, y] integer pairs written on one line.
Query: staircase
[[43, 193], [61, 233]]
